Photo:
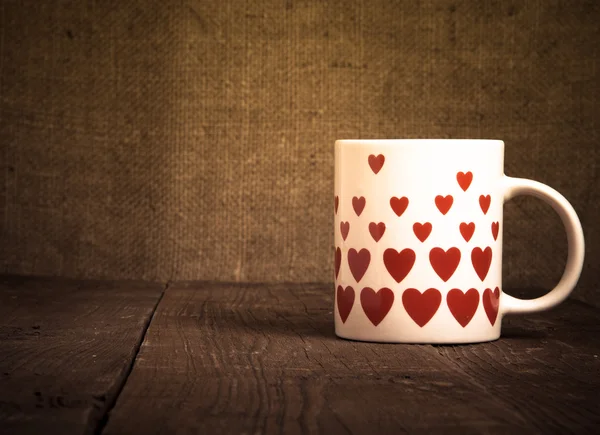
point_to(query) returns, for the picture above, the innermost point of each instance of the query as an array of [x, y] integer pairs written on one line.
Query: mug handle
[[576, 246]]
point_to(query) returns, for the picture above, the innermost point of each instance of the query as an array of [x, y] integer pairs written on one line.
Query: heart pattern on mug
[[376, 305], [421, 307], [495, 229], [491, 303], [464, 180], [359, 261], [399, 264], [377, 230], [358, 204], [345, 301], [481, 259], [484, 203], [467, 230], [399, 205], [444, 203], [444, 262], [344, 229], [422, 231], [463, 305], [376, 162]]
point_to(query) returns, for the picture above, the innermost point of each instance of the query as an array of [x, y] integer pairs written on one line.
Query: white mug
[[418, 240]]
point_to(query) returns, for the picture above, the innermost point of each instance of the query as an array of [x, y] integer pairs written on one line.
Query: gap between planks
[[110, 406]]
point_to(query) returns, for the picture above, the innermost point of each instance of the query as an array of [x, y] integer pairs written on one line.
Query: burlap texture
[[169, 140]]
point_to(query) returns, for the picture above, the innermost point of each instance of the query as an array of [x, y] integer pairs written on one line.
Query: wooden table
[[206, 358]]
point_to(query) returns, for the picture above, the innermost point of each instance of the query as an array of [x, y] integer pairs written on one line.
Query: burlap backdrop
[[169, 140]]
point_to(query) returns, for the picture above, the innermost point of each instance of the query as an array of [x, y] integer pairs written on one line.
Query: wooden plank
[[65, 349], [222, 358]]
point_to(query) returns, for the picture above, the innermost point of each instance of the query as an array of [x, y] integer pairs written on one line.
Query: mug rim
[[420, 140]]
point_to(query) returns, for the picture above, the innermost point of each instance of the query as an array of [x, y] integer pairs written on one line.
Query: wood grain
[[65, 350], [221, 358]]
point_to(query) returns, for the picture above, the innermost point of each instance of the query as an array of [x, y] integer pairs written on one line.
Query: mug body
[[418, 240]]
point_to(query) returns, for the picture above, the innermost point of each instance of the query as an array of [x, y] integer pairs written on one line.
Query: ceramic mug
[[418, 240]]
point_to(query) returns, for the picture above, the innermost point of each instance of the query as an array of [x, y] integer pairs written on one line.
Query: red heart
[[444, 262], [464, 180], [481, 260], [338, 261], [399, 204], [376, 162], [358, 204], [495, 229], [467, 230], [422, 231], [377, 230], [463, 305], [344, 229], [491, 303], [484, 203], [444, 203], [345, 301], [359, 262], [336, 203], [399, 264], [376, 305], [421, 307]]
